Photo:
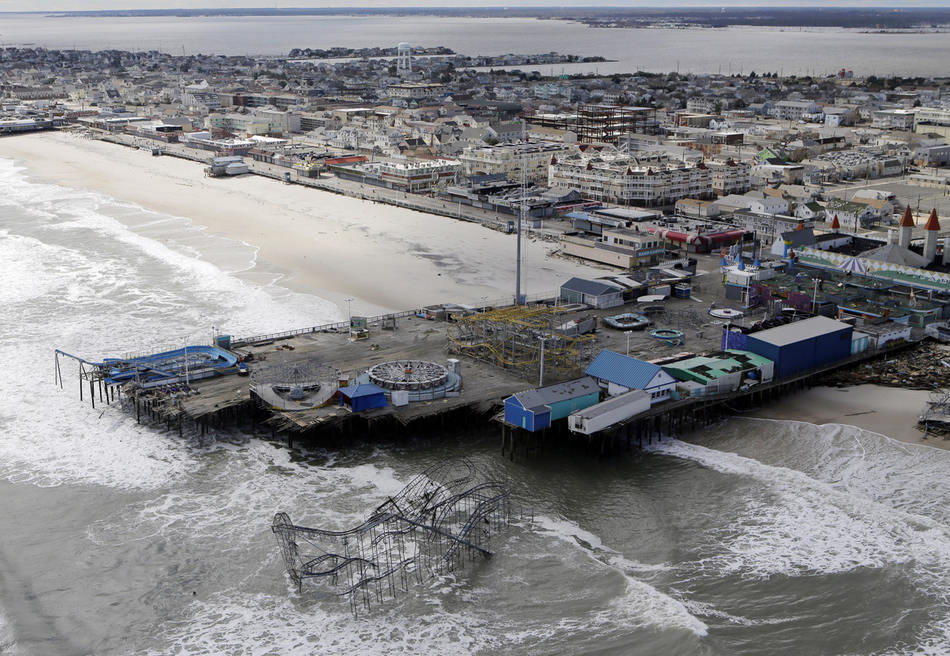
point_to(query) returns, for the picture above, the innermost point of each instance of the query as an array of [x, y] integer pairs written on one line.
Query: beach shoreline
[[382, 258], [888, 411]]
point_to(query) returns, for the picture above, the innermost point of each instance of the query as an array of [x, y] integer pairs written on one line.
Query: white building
[[624, 180], [932, 119], [795, 110], [769, 205], [415, 90], [730, 176], [508, 158], [893, 119], [415, 175]]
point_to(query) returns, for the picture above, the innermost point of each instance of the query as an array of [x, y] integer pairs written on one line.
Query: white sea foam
[[7, 638], [643, 602], [261, 480], [909, 477], [258, 624], [78, 279], [802, 525]]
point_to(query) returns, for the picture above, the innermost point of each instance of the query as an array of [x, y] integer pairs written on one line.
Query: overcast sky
[[79, 5]]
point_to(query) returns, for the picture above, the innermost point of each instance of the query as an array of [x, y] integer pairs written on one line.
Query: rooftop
[[800, 330]]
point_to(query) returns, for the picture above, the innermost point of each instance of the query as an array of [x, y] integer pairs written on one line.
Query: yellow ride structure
[[515, 337]]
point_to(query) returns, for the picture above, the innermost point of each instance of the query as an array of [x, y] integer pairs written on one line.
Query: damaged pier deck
[[230, 400]]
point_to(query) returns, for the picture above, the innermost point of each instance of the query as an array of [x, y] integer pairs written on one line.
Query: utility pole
[[524, 207]]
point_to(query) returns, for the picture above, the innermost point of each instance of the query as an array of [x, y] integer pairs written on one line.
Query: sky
[[81, 5]]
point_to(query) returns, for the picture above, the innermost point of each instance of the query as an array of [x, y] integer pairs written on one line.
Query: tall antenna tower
[[524, 206], [403, 59]]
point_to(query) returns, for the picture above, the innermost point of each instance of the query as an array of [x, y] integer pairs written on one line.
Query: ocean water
[[754, 537], [730, 50]]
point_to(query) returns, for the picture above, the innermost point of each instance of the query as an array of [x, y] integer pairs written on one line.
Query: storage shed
[[363, 397], [881, 333], [534, 410], [620, 373], [595, 293], [802, 345]]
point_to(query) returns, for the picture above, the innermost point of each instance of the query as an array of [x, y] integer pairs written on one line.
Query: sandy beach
[[384, 258], [886, 410], [336, 247]]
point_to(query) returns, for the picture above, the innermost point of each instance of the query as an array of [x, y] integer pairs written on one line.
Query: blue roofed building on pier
[[363, 397], [535, 409], [802, 345], [619, 373]]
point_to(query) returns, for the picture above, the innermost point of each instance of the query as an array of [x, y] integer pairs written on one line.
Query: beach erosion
[[314, 242], [381, 257]]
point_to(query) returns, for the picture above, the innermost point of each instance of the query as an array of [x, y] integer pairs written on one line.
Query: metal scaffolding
[[605, 123], [522, 339], [442, 518]]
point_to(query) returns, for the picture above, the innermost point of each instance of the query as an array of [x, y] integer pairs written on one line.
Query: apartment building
[[932, 120], [507, 159], [415, 90], [795, 110], [624, 180], [730, 176], [893, 119], [418, 175], [261, 122]]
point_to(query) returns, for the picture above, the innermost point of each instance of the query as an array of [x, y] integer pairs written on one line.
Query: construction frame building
[[601, 122]]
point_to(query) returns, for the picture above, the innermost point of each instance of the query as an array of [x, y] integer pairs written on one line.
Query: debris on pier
[[925, 366], [935, 418], [443, 517]]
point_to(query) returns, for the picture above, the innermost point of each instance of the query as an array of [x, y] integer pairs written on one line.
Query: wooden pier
[[229, 402], [677, 417]]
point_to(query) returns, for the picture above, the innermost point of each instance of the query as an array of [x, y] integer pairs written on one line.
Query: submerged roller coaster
[[443, 517]]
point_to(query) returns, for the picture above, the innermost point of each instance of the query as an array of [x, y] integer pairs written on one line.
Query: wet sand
[[384, 258], [886, 410]]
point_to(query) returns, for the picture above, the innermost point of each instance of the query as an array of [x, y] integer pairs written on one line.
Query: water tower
[[403, 59]]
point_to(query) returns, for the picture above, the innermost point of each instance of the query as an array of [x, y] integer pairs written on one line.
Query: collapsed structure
[[444, 516]]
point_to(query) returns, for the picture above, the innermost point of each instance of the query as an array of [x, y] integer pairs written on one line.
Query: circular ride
[[726, 313], [627, 321], [408, 375], [667, 334]]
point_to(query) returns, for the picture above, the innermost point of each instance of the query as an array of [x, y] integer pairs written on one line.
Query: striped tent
[[854, 265]]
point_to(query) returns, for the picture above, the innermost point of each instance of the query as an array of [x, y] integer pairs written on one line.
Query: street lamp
[[541, 375]]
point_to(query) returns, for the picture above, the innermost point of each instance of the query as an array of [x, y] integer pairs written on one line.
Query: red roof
[[353, 159], [907, 221], [834, 223], [932, 222]]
